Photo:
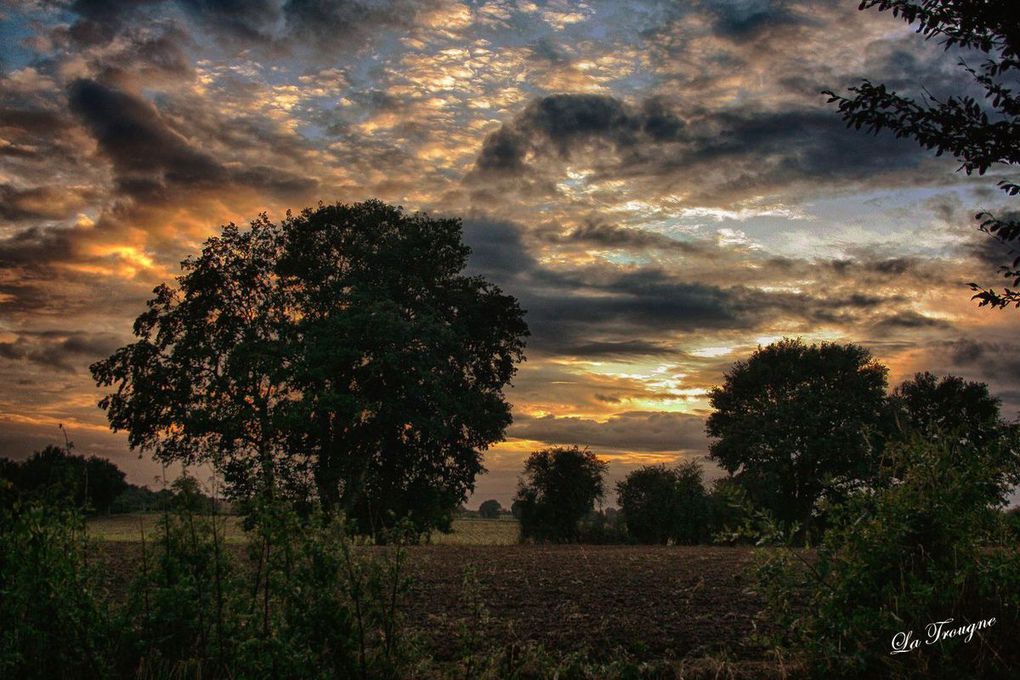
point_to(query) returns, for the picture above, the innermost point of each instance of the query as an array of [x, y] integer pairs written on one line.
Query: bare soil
[[644, 602]]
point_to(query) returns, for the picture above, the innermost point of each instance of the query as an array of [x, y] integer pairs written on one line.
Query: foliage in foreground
[[306, 604], [51, 621], [927, 548]]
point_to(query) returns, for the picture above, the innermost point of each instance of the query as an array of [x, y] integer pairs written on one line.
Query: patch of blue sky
[[15, 29], [625, 258]]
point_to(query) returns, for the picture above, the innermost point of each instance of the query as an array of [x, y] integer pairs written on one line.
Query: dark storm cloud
[[329, 21], [743, 19], [150, 157], [631, 431], [609, 348], [145, 152], [247, 20], [805, 143], [992, 360], [65, 351], [497, 247], [650, 298], [32, 121], [563, 121], [33, 133], [258, 24], [35, 245], [601, 234], [571, 311], [909, 320], [724, 154]]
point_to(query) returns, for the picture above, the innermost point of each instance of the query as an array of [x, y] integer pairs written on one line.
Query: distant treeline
[[90, 483]]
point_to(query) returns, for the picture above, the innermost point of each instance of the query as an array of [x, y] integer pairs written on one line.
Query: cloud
[[630, 431], [151, 158], [745, 19], [720, 156], [146, 153], [42, 203], [563, 122], [605, 235], [64, 351]]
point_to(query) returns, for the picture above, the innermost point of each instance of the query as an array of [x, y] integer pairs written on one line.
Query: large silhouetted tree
[[559, 487], [794, 422], [341, 353], [981, 133]]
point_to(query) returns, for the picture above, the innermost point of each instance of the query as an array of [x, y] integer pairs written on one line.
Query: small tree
[[515, 509], [931, 406], [648, 499], [662, 504], [559, 487], [490, 509], [794, 422]]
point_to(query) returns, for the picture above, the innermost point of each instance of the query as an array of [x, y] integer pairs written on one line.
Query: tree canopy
[[662, 504], [490, 509], [558, 488], [949, 405], [341, 354], [794, 422], [981, 133], [55, 475]]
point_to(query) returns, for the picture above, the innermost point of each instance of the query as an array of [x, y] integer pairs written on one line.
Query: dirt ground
[[647, 602], [651, 602]]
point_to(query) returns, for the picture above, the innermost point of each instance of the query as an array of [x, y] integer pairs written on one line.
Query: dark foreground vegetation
[[302, 600]]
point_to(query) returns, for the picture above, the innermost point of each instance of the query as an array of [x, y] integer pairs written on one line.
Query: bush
[[311, 606], [186, 611], [921, 550], [307, 604], [53, 624], [57, 477], [602, 527]]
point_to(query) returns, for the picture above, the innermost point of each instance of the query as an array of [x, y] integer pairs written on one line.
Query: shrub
[[53, 624], [921, 550], [602, 527], [310, 605]]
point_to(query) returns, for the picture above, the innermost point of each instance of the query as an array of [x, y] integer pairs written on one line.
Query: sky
[[660, 184]]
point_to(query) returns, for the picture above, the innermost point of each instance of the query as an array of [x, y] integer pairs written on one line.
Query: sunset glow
[[661, 185]]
